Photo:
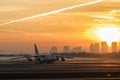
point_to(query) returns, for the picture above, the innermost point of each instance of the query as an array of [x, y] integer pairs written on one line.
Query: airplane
[[43, 58]]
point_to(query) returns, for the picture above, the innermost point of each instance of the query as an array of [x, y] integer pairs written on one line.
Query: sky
[[73, 27]]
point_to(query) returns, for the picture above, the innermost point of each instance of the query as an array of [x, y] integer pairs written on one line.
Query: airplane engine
[[29, 59], [62, 58], [40, 59], [57, 58]]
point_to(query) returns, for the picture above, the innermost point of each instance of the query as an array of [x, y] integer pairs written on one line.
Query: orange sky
[[71, 27]]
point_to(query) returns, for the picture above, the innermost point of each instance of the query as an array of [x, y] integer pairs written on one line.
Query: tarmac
[[70, 69]]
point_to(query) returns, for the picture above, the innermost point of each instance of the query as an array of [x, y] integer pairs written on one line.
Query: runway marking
[[51, 12]]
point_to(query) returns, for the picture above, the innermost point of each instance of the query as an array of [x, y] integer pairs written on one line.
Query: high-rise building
[[76, 49], [104, 47], [114, 47], [53, 49], [91, 48], [66, 49], [94, 48]]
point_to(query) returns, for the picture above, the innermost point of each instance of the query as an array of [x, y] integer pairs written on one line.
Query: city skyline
[[94, 48], [93, 21]]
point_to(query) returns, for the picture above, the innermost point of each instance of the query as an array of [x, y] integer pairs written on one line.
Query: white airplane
[[43, 58]]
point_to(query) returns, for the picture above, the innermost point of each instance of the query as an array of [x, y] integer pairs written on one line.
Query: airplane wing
[[29, 58]]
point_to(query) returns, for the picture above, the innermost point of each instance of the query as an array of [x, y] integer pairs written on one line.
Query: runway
[[58, 71], [70, 69]]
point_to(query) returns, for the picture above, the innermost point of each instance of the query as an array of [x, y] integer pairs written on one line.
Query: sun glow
[[109, 33]]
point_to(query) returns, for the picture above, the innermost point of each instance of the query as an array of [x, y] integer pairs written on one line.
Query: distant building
[[114, 47], [53, 49], [76, 50], [91, 48], [104, 47], [94, 48], [66, 49]]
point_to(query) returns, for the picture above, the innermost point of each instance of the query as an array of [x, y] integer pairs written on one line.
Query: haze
[[72, 27]]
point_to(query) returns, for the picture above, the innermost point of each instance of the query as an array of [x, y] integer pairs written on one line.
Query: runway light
[[108, 75]]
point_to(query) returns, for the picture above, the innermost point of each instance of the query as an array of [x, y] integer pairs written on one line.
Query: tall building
[[53, 49], [94, 48], [114, 47], [76, 50], [66, 49], [104, 47], [91, 48]]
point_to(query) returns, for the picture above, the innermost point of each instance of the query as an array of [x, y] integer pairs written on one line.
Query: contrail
[[51, 12]]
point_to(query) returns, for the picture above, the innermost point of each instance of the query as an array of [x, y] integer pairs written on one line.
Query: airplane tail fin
[[36, 50]]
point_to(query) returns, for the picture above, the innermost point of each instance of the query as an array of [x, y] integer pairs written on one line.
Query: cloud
[[104, 6], [112, 16], [52, 12], [11, 8], [115, 13], [10, 31], [15, 32]]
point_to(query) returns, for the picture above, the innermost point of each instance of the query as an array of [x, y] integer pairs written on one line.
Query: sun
[[108, 33]]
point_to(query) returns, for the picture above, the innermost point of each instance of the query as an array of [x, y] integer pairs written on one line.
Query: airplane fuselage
[[46, 58]]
